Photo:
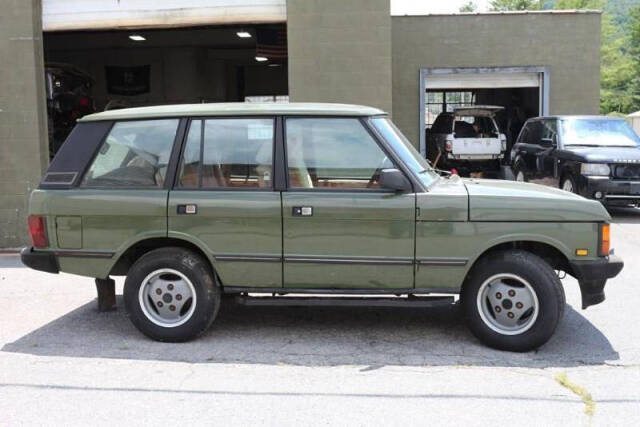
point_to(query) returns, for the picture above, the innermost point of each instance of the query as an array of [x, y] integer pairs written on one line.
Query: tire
[[171, 294], [568, 183], [519, 172], [533, 283]]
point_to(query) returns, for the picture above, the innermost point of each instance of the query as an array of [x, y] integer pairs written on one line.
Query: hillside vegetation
[[620, 46]]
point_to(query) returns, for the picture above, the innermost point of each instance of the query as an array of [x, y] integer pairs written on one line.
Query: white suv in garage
[[467, 139]]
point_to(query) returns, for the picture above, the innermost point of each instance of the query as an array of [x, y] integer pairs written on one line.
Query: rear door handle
[[302, 211]]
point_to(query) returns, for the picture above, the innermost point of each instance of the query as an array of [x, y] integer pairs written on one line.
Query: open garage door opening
[[520, 91], [89, 71]]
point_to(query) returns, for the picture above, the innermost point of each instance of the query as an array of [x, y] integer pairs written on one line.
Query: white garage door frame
[[464, 74]]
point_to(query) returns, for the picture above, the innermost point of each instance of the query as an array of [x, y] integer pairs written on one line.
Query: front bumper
[[38, 260], [613, 190], [592, 276]]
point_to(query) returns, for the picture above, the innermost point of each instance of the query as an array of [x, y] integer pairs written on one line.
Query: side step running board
[[346, 301]]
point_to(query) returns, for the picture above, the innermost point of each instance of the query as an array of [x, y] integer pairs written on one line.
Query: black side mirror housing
[[550, 142], [393, 179]]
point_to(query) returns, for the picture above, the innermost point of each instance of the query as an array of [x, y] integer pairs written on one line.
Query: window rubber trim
[[190, 119], [104, 138], [364, 122]]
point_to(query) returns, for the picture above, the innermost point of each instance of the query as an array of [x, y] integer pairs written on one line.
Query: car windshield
[[405, 150], [599, 132]]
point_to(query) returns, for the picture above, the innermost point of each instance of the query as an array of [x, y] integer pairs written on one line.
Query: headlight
[[595, 169]]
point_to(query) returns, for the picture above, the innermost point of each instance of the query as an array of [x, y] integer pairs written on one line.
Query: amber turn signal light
[[604, 241]]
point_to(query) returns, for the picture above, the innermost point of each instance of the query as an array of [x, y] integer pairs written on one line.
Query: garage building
[[139, 52]]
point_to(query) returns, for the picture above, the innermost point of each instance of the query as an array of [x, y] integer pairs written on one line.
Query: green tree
[[469, 7], [506, 5], [579, 4], [617, 69], [634, 53], [616, 66]]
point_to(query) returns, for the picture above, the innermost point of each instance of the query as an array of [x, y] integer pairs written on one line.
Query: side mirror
[[550, 142], [395, 180]]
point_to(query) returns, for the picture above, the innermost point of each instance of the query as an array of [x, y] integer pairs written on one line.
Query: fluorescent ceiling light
[[243, 34], [137, 38], [261, 58]]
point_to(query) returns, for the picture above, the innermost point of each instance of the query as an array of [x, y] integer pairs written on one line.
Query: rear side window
[[228, 153], [134, 154]]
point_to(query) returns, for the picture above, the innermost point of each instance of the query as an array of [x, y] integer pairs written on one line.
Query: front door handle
[[189, 209], [302, 211]]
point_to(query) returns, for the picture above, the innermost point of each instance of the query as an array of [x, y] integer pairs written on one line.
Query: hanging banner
[[128, 80]]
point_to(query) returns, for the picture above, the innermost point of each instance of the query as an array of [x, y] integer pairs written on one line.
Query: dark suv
[[595, 156]]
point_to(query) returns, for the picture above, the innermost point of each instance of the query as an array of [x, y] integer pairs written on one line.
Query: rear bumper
[[475, 157], [613, 190], [41, 261], [592, 276]]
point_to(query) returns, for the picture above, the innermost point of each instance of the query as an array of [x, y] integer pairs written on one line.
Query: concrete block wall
[[340, 51], [568, 43], [23, 135]]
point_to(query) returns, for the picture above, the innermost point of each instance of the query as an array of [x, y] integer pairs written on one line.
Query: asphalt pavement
[[63, 362]]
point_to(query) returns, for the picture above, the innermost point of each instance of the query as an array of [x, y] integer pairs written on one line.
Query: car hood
[[605, 154], [497, 200]]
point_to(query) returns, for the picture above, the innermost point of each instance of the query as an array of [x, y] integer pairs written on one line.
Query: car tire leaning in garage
[[171, 294], [518, 171], [513, 300], [568, 183]]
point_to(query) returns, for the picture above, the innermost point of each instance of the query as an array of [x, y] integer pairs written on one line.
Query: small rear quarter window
[[134, 154]]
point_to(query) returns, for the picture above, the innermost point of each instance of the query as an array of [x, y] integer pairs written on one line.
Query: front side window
[[332, 153], [134, 154], [405, 150], [228, 153], [549, 130]]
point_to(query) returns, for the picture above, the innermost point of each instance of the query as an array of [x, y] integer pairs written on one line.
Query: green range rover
[[304, 204]]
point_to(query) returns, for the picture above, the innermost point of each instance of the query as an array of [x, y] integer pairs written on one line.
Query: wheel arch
[[547, 251], [132, 253], [568, 168]]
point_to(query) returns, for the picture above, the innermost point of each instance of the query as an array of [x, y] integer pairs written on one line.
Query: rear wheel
[[170, 294], [513, 300]]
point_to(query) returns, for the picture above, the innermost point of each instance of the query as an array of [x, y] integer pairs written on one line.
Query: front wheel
[[513, 300], [568, 183], [518, 172], [170, 294]]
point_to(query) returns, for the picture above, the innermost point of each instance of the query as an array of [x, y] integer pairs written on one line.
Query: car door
[[223, 199], [547, 158], [530, 146], [341, 229]]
